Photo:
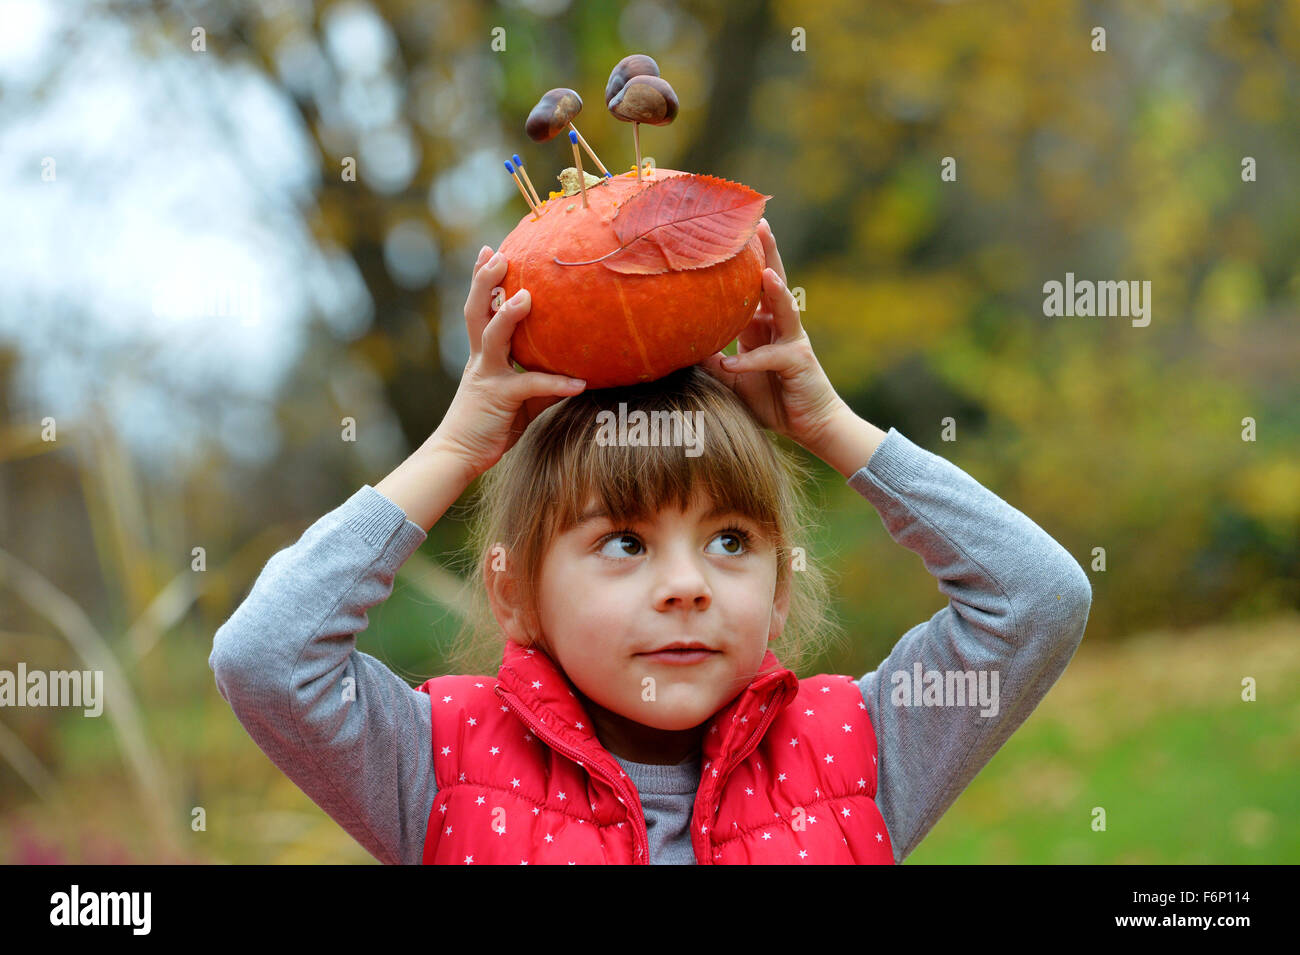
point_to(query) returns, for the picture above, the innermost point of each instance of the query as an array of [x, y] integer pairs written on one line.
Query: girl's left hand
[[774, 370]]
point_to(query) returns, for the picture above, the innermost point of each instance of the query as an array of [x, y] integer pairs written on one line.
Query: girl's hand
[[494, 403], [774, 370]]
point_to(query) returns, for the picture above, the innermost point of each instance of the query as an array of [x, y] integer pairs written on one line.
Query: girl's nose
[[683, 584]]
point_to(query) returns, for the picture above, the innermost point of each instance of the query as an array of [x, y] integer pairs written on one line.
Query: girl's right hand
[[494, 403]]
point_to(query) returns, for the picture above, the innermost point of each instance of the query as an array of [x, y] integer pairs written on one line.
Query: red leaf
[[684, 222]]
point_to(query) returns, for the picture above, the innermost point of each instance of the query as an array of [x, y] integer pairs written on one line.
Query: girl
[[639, 713]]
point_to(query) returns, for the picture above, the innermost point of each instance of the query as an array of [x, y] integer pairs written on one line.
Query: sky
[[155, 260]]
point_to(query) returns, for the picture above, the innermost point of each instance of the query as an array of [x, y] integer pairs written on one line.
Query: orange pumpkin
[[611, 328]]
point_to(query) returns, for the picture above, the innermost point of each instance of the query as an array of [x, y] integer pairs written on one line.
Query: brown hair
[[540, 486]]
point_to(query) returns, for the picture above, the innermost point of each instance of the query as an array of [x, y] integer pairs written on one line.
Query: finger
[[533, 388], [775, 357], [484, 254], [785, 314], [770, 252], [501, 329], [713, 365], [477, 312]]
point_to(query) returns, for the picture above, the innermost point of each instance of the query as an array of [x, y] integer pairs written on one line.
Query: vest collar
[[541, 689]]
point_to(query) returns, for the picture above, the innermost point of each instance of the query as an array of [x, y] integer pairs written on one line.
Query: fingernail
[[480, 252], [728, 361], [576, 383], [518, 297], [495, 260]]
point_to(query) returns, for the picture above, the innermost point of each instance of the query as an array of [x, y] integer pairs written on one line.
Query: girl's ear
[[506, 597], [780, 609]]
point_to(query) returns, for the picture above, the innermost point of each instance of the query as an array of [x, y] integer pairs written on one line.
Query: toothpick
[[524, 172], [636, 138], [590, 152], [527, 198], [577, 162]]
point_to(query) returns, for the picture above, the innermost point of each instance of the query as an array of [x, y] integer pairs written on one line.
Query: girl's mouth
[[680, 656]]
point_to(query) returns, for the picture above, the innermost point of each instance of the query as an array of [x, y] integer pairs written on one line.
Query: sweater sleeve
[[347, 730], [1017, 607]]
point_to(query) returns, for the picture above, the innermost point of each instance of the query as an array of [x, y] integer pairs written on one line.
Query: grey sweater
[[1017, 607]]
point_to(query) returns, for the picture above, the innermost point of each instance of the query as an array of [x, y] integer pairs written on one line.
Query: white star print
[[469, 859], [536, 810], [807, 712], [748, 791], [579, 726], [862, 706], [478, 801], [495, 750], [480, 685], [446, 751], [514, 783], [794, 742], [462, 777], [803, 854], [847, 728], [537, 684], [472, 722], [845, 812], [862, 784], [562, 797], [780, 777], [505, 709], [446, 699], [826, 689], [830, 758], [443, 809], [767, 835], [449, 830], [549, 838], [878, 837]]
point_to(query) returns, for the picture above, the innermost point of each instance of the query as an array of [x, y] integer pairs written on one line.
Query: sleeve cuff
[[896, 462], [376, 519]]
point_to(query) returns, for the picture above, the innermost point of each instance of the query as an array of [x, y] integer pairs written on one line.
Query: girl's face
[[610, 597]]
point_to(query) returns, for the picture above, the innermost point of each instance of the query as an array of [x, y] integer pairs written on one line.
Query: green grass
[[1183, 778]]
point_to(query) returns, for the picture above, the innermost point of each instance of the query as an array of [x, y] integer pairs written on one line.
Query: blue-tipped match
[[609, 175], [573, 135], [509, 168], [518, 162]]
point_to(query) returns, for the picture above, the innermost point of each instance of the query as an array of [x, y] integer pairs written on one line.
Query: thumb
[[712, 366], [533, 385]]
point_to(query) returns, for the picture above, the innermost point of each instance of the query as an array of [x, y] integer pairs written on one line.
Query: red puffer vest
[[788, 774]]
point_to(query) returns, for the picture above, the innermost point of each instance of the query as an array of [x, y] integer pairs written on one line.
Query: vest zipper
[[748, 747], [638, 817]]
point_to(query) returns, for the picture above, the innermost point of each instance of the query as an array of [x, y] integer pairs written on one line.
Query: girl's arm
[[1017, 607], [348, 731]]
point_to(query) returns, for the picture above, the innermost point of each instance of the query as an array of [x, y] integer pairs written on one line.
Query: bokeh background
[[139, 173]]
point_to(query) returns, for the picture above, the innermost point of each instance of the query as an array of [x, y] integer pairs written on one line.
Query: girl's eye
[[738, 537], [618, 538]]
